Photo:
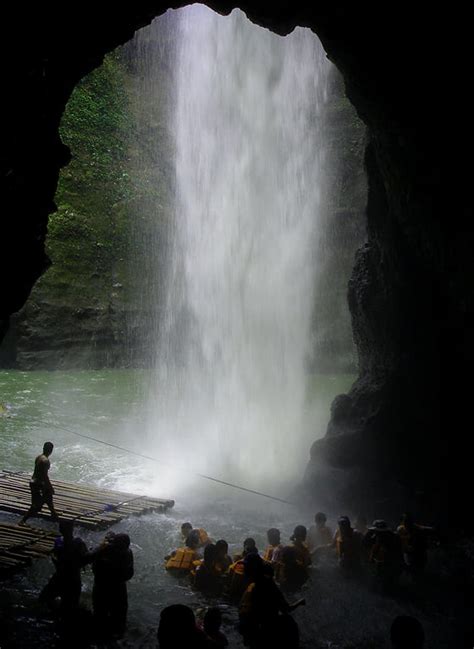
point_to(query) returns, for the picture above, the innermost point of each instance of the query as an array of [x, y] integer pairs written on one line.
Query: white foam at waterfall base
[[228, 396]]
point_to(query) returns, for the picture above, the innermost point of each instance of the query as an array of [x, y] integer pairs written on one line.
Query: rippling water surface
[[109, 405]]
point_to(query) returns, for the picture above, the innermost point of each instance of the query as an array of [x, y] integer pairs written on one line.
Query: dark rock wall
[[406, 68]]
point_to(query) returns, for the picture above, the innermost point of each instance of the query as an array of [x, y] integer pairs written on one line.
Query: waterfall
[[233, 339]]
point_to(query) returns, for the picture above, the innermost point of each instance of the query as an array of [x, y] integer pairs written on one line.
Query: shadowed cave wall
[[400, 434]]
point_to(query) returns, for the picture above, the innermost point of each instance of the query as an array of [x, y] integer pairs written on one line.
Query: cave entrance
[[205, 232]]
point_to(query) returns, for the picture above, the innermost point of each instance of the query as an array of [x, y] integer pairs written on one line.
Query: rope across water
[[154, 459]]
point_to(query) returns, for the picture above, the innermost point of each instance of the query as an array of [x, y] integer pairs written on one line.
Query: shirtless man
[[40, 486]]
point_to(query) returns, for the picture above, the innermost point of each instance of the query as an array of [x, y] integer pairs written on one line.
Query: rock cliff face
[[411, 295], [91, 309]]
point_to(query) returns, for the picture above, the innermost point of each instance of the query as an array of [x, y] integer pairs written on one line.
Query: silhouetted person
[[206, 578], [69, 556], [237, 582], [273, 550], [414, 539], [177, 628], [40, 485], [292, 573], [406, 632], [264, 619], [212, 627], [112, 565], [249, 547], [319, 536], [384, 554], [299, 543], [348, 544], [223, 560]]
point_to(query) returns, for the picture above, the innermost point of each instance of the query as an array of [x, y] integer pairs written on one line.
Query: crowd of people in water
[[257, 583]]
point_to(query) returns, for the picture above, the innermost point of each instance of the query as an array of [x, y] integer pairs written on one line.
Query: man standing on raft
[[40, 485]]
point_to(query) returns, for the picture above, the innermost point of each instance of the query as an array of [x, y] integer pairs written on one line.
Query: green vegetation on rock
[[99, 303], [86, 309]]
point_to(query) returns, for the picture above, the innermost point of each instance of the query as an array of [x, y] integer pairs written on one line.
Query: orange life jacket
[[182, 560]]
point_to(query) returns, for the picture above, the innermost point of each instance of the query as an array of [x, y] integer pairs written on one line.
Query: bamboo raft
[[91, 507], [19, 545]]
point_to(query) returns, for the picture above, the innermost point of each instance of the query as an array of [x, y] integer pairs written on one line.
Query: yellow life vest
[[183, 560]]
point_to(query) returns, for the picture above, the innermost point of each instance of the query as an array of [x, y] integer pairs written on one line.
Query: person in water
[[414, 540], [183, 560], [186, 529], [112, 565], [303, 555], [274, 547], [264, 619], [42, 490], [348, 544], [384, 555], [319, 536], [69, 556], [249, 547], [178, 628], [207, 578], [223, 560], [237, 583], [212, 627]]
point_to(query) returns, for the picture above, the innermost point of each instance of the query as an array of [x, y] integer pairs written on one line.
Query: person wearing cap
[[348, 544], [385, 554], [264, 619], [69, 556]]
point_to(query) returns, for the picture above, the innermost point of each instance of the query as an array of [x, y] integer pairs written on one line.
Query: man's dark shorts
[[40, 496]]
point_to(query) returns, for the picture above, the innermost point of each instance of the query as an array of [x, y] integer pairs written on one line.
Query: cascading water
[[230, 381]]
